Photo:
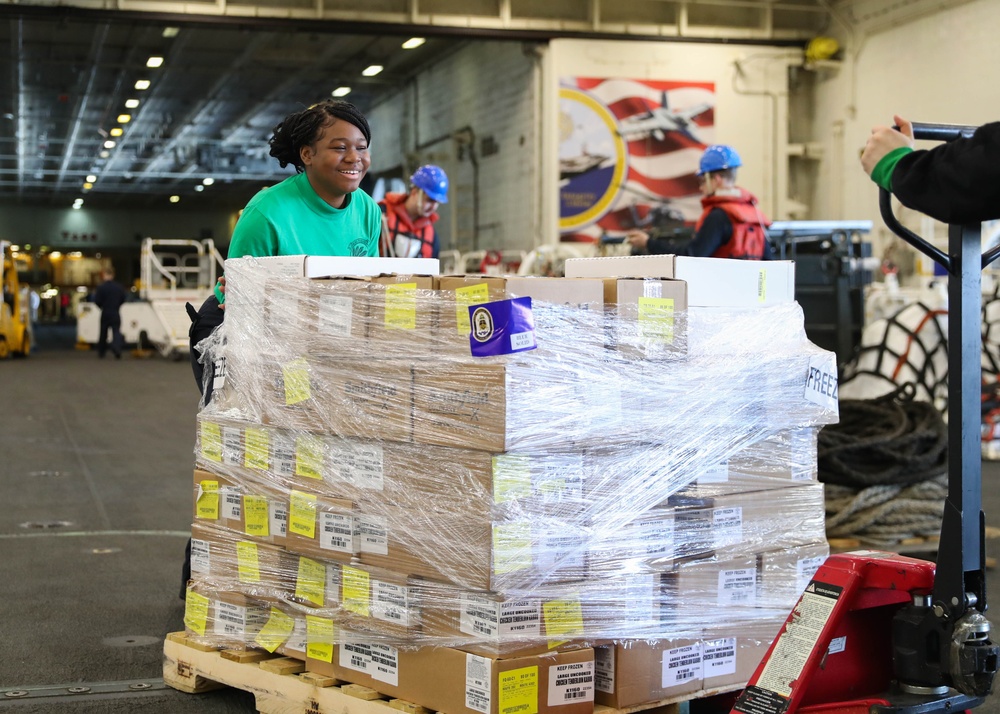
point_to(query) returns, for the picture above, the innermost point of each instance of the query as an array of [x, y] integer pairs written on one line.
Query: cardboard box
[[216, 500], [313, 582], [403, 315], [323, 266], [720, 586], [223, 619], [772, 462], [785, 573], [324, 316], [458, 292], [499, 406], [649, 320], [449, 680], [732, 651], [345, 398], [739, 524], [225, 557], [379, 601], [711, 282], [322, 527], [470, 550], [641, 671]]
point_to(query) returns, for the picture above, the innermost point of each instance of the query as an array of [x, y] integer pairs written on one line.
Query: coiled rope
[[885, 466]]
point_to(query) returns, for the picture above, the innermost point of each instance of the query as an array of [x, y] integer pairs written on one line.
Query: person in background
[[317, 211], [954, 182], [731, 225], [110, 296], [408, 218]]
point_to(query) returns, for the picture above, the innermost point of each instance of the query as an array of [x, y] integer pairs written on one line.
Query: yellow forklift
[[15, 309]]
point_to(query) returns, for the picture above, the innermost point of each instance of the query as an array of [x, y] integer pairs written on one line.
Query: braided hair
[[304, 127]]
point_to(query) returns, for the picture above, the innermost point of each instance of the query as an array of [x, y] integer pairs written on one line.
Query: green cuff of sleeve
[[219, 295], [882, 173]]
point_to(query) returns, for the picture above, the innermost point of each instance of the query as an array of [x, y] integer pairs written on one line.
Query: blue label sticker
[[502, 327]]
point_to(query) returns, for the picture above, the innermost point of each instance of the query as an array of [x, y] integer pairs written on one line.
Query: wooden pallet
[[281, 685]]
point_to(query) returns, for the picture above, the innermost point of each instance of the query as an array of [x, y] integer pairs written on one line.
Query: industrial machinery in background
[[15, 308], [173, 272], [833, 266]]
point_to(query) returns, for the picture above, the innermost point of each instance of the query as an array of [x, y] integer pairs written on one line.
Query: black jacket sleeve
[[956, 182], [715, 231]]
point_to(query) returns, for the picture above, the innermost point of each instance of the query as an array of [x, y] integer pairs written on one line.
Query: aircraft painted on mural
[[658, 121]]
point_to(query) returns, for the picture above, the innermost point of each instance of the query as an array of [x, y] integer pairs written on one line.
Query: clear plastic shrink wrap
[[363, 482]]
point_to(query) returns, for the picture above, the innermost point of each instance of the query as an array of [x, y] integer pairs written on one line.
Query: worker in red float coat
[[408, 218], [731, 225]]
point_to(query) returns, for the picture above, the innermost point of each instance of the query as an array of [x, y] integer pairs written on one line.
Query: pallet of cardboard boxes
[[534, 531]]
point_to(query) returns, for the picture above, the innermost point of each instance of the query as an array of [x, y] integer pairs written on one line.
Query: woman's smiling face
[[337, 161]]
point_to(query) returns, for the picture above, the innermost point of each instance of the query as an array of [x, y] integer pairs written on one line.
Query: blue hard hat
[[433, 181], [718, 157]]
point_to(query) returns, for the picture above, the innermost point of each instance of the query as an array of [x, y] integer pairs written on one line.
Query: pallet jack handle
[[959, 583]]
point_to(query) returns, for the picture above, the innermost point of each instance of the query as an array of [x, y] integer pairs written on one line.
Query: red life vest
[[399, 224], [747, 241]]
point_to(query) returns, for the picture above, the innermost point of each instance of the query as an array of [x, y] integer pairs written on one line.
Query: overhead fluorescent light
[[372, 70], [124, 118], [208, 180], [87, 186], [117, 131], [142, 84], [91, 178], [171, 31], [131, 103], [109, 144], [104, 154], [199, 188], [154, 62], [175, 199], [77, 204], [413, 43], [341, 91]]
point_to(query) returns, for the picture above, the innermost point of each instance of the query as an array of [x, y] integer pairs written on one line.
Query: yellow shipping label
[[511, 478], [511, 547], [211, 441], [656, 319], [195, 611], [309, 454], [464, 297], [275, 631], [302, 514], [563, 619], [310, 584], [248, 563], [297, 387], [319, 638], [207, 503], [356, 590], [762, 285], [518, 691], [255, 516], [401, 306], [258, 449]]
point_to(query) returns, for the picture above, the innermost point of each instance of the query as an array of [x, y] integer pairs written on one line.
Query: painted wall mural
[[628, 154]]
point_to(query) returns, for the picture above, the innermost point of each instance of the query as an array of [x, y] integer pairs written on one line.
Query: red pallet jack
[[878, 632]]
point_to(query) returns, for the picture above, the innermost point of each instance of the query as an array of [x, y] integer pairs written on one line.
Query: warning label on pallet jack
[[771, 692]]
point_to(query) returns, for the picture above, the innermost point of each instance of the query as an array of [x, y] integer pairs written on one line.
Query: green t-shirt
[[290, 219]]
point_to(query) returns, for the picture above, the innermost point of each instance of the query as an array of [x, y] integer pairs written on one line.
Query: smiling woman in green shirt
[[317, 211]]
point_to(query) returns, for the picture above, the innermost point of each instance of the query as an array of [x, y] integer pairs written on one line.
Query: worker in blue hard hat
[[408, 218], [731, 225]]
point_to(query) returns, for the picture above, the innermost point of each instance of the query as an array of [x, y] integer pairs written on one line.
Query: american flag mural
[[629, 151]]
